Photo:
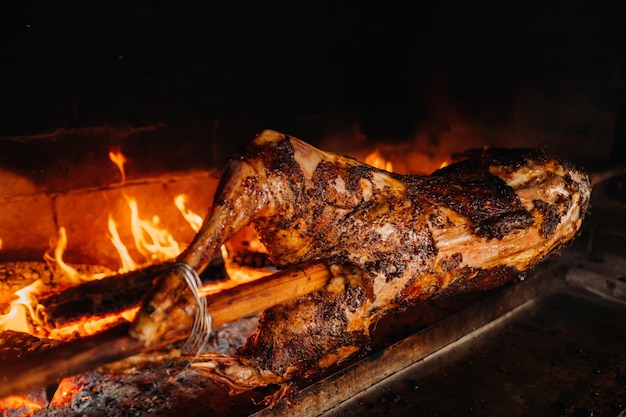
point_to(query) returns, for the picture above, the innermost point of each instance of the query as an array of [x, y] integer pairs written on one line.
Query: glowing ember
[[65, 391], [91, 326], [21, 406]]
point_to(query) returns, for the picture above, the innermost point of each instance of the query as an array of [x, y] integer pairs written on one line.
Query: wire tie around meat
[[201, 330]]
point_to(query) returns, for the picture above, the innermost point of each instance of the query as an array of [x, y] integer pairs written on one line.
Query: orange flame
[[116, 156], [61, 244], [194, 220], [21, 310], [127, 262], [376, 160], [154, 243], [151, 241]]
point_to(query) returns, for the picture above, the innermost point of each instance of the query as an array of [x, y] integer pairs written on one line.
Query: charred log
[[111, 295], [16, 275], [96, 298]]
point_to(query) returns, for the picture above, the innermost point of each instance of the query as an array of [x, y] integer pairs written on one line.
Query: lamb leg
[[170, 306]]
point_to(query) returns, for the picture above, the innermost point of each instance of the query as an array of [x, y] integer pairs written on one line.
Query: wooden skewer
[[46, 368], [266, 292]]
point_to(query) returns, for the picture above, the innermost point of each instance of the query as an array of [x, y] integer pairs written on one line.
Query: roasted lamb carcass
[[391, 240]]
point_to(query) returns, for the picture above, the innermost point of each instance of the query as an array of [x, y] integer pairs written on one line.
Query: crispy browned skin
[[391, 240]]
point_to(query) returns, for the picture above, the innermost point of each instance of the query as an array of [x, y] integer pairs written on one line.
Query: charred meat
[[391, 240]]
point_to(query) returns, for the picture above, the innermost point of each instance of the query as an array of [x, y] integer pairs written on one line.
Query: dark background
[[555, 67]]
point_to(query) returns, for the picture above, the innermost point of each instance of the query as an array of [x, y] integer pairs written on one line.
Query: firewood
[[14, 345], [96, 298], [109, 295], [16, 275], [48, 367]]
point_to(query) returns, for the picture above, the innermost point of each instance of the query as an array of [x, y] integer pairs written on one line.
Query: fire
[[154, 243], [22, 309], [116, 156], [194, 220], [61, 244], [66, 389], [21, 406], [92, 326], [376, 160], [128, 264]]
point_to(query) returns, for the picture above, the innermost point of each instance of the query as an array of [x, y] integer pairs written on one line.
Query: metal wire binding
[[201, 329]]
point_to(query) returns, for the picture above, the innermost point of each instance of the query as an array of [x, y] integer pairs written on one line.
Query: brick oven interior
[[178, 88]]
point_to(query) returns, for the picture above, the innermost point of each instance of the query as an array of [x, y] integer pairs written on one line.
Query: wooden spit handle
[[266, 292], [49, 367]]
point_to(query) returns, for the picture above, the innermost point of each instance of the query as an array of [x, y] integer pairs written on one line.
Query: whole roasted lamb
[[391, 240]]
